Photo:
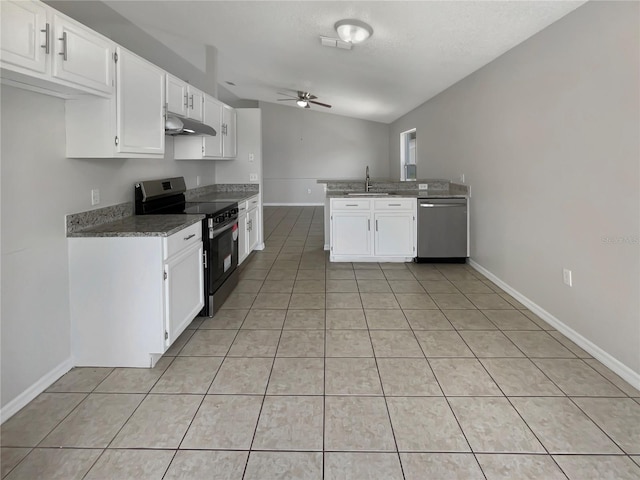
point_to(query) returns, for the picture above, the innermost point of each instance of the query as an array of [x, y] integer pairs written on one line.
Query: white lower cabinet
[[243, 233], [373, 230], [131, 297], [248, 226], [350, 233], [394, 234], [253, 221]]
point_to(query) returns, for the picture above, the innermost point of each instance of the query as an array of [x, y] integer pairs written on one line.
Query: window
[[408, 165]]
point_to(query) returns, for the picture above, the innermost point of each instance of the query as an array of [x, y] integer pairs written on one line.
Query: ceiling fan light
[[302, 103], [353, 31]]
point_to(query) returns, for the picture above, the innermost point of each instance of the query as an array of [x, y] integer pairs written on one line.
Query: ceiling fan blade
[[286, 99], [321, 104], [311, 97]]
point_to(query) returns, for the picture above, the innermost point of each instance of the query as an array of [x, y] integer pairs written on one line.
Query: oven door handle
[[214, 232]]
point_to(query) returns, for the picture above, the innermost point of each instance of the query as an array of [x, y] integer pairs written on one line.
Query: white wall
[[39, 186], [303, 145], [547, 137]]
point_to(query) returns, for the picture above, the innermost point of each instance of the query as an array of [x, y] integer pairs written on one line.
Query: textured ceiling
[[417, 50]]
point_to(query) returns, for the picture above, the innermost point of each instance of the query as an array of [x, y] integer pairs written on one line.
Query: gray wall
[[547, 137], [39, 186], [303, 145]]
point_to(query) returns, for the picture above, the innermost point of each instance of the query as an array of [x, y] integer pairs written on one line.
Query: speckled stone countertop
[[140, 226], [223, 197], [119, 220], [437, 188], [221, 192], [399, 193]]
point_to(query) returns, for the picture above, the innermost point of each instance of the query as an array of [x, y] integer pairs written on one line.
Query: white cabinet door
[[140, 102], [351, 233], [184, 290], [81, 56], [243, 237], [24, 41], [394, 234], [195, 105], [213, 118], [229, 129], [253, 217], [176, 96]]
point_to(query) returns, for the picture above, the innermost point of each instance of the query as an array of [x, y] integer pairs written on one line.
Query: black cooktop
[[209, 208]]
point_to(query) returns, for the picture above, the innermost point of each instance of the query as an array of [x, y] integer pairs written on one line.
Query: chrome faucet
[[367, 182]]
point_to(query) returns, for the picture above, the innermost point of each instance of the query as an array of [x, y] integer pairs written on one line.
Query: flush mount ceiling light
[[302, 103], [353, 31]]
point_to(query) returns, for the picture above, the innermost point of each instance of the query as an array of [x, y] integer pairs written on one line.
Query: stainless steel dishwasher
[[442, 229]]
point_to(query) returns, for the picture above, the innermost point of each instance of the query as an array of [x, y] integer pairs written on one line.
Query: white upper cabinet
[[176, 96], [229, 141], [140, 96], [26, 35], [183, 99], [213, 118], [130, 124], [45, 49], [195, 103], [222, 118], [81, 56]]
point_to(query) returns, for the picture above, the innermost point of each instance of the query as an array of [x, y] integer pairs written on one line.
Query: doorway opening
[[408, 165]]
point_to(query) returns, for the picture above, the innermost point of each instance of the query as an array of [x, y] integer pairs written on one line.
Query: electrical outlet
[[95, 196], [308, 191], [423, 186], [252, 157], [198, 180], [253, 177], [566, 277], [462, 178]]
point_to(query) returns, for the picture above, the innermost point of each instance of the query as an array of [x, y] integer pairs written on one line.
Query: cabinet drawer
[[396, 204], [243, 206], [184, 238], [252, 202], [348, 204]]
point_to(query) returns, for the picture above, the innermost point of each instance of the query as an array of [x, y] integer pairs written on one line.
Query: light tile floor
[[315, 370]]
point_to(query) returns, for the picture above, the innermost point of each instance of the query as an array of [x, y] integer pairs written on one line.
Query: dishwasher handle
[[438, 205]]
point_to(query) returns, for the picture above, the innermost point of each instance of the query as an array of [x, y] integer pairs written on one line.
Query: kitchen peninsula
[[377, 220]]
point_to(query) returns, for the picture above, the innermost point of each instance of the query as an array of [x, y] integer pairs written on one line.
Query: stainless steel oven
[[220, 237]]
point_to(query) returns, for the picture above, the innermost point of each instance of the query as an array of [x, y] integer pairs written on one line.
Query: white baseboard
[[34, 390], [293, 204], [260, 246], [598, 353]]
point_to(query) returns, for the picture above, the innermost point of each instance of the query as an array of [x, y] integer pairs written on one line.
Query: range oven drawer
[[182, 239]]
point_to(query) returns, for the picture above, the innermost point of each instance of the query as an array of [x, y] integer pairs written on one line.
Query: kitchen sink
[[370, 194]]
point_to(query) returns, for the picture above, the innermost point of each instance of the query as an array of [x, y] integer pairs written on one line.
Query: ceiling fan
[[303, 99]]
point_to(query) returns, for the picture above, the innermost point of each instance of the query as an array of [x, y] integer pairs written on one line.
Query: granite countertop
[[399, 194], [140, 226], [223, 197]]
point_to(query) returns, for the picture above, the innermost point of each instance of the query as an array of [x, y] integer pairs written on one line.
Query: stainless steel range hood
[[185, 126]]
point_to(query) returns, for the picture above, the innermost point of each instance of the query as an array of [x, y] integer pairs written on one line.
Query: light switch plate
[[423, 186], [95, 196]]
